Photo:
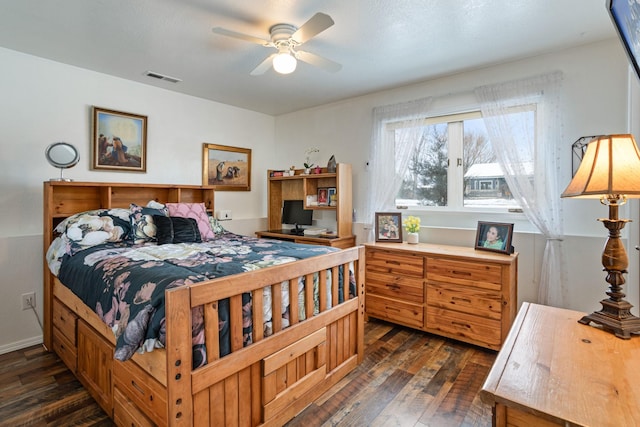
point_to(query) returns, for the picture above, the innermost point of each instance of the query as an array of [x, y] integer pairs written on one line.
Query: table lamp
[[610, 171]]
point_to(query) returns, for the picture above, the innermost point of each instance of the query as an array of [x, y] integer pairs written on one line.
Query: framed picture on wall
[[494, 236], [388, 227], [226, 168], [118, 141]]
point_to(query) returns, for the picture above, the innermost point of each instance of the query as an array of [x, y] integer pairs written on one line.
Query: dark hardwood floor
[[407, 378]]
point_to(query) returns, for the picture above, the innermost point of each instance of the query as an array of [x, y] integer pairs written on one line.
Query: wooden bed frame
[[266, 383]]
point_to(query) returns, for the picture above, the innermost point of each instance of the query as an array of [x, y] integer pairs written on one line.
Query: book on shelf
[[329, 234], [278, 173], [314, 231]]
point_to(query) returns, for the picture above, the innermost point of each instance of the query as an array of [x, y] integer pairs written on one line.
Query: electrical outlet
[[224, 215], [28, 300]]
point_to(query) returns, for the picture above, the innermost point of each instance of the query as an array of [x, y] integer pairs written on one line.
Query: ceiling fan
[[286, 38]]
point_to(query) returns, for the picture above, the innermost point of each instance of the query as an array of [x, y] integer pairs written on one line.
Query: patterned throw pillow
[[90, 228], [196, 211], [120, 218], [143, 228], [217, 228]]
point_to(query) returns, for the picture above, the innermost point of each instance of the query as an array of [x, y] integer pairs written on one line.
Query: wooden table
[[554, 371]]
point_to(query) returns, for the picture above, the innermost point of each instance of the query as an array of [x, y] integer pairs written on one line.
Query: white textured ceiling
[[380, 43]]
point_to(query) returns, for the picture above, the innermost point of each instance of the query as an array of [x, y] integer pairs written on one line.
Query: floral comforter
[[124, 284]]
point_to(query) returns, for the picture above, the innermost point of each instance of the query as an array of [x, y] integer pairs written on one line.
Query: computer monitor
[[294, 213]]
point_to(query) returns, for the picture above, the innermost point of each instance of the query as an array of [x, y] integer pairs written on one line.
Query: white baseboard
[[19, 345]]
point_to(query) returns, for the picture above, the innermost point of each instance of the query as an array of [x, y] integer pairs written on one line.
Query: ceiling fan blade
[[263, 66], [245, 37], [317, 24], [318, 61]]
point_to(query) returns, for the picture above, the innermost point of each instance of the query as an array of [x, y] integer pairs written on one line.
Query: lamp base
[[615, 317]]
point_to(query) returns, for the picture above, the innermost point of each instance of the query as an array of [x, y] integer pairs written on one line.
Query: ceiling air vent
[[161, 77]]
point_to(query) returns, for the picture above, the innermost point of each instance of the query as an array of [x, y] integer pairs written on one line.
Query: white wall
[[595, 97], [43, 102]]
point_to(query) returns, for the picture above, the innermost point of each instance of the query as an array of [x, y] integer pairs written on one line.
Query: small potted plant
[[412, 226], [308, 164]]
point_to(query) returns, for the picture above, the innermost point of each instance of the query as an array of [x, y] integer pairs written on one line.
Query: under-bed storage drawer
[[95, 365], [125, 413], [65, 320], [65, 350], [64, 334], [147, 394]]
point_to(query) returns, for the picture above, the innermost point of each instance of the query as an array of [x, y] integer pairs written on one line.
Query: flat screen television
[[625, 15], [294, 213]]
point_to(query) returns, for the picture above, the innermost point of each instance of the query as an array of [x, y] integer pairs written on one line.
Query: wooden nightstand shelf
[[456, 292], [554, 371]]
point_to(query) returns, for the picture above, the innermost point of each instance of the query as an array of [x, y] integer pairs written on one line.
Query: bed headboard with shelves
[[65, 198]]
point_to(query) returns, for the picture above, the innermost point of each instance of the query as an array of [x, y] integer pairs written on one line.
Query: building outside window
[[454, 167]]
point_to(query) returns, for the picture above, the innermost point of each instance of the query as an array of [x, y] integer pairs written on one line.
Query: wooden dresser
[[554, 371], [457, 292]]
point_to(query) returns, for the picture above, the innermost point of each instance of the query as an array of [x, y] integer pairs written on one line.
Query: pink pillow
[[196, 211]]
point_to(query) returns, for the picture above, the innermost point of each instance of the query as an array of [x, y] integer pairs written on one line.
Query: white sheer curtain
[[515, 143], [391, 149]]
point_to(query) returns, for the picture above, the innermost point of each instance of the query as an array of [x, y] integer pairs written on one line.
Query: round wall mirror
[[62, 155]]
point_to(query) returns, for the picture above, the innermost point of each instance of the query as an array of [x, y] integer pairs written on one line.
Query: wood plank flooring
[[407, 378]]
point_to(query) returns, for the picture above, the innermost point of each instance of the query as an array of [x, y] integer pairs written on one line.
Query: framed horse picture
[[226, 168]]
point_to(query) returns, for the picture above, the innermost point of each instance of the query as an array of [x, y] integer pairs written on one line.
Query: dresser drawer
[[465, 299], [469, 328], [396, 263], [396, 286], [65, 350], [65, 320], [148, 395], [395, 311], [482, 275], [125, 413]]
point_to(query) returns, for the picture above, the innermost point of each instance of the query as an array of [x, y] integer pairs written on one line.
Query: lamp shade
[[610, 166]]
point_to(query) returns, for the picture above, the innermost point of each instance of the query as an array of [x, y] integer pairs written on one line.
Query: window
[[452, 164]]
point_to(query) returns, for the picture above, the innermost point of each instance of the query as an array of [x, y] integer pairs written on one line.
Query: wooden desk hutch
[[298, 187]]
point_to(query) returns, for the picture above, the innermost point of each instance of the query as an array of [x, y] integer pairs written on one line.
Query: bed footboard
[[276, 377]]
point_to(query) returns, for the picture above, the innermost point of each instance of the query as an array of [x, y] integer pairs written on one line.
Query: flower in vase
[[309, 151], [411, 224]]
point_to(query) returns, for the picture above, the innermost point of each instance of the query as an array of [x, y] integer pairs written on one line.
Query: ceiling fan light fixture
[[284, 63]]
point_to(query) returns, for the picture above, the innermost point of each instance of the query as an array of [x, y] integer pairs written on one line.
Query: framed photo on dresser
[[494, 236], [388, 227]]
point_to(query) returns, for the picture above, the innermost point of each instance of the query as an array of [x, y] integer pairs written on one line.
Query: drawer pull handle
[[137, 387], [464, 325], [393, 286], [467, 300], [461, 273]]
